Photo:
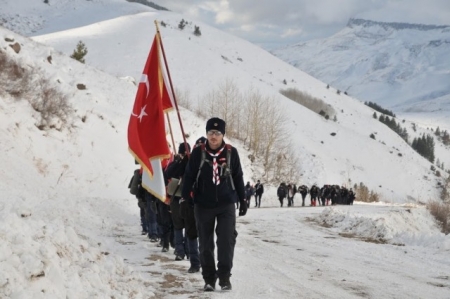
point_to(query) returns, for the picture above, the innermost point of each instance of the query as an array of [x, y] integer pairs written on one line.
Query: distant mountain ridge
[[394, 25], [149, 4], [401, 66]]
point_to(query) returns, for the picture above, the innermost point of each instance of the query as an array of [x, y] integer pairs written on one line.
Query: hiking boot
[[210, 285], [225, 283], [153, 239], [179, 258], [165, 249], [194, 269]]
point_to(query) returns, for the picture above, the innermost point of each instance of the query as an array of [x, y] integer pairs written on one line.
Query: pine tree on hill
[[79, 52]]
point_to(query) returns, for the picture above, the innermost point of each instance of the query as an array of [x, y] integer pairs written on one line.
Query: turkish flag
[[146, 128]]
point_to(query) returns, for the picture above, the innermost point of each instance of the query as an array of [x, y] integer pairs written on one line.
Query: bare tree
[[445, 191], [253, 106], [53, 105], [223, 102], [258, 121], [183, 98], [310, 102]]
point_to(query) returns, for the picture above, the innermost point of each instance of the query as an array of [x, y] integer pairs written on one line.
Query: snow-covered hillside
[[404, 67], [119, 46], [63, 193], [199, 64], [38, 17], [70, 229]]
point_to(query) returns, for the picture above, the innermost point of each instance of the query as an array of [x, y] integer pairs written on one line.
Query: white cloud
[[302, 20], [291, 32], [247, 28]]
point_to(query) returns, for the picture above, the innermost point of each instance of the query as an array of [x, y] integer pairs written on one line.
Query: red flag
[[146, 129]]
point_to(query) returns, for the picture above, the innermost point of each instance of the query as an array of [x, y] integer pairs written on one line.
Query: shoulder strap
[[228, 155], [229, 166], [203, 158], [202, 161]]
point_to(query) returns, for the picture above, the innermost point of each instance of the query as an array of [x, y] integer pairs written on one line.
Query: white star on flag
[[141, 115]]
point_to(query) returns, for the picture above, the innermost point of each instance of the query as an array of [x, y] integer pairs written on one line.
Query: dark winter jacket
[[303, 190], [325, 192], [206, 193], [314, 191], [281, 192], [176, 168], [259, 189], [248, 191], [351, 196]]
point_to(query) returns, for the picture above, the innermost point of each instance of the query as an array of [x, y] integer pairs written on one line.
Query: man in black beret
[[214, 175]]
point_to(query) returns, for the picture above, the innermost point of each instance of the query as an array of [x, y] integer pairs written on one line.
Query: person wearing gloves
[[213, 182]]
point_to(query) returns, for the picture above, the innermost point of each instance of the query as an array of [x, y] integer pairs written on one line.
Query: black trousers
[[290, 201], [164, 220], [303, 199], [247, 200], [258, 200], [190, 224], [178, 221], [206, 218]]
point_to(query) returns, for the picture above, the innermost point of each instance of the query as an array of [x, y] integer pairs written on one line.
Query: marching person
[[259, 190], [248, 194], [281, 193], [186, 244], [215, 177], [303, 189]]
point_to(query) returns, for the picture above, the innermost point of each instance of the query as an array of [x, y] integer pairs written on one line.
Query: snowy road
[[282, 253]]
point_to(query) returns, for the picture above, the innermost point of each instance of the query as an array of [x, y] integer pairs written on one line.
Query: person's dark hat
[[182, 148], [216, 123]]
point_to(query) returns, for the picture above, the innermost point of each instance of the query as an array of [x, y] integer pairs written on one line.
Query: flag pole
[[171, 87], [171, 133]]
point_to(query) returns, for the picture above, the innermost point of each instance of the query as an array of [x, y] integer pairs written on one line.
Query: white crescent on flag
[[144, 79]]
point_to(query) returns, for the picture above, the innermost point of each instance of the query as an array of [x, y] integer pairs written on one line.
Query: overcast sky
[[279, 22]]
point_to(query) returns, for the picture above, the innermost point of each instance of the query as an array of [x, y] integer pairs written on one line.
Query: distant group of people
[[326, 195], [256, 191], [203, 187]]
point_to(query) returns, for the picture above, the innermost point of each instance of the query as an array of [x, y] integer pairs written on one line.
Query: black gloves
[[183, 208], [185, 205], [242, 207]]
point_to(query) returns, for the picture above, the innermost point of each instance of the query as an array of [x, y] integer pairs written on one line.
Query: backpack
[[203, 159], [135, 182]]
